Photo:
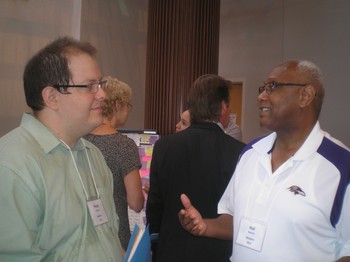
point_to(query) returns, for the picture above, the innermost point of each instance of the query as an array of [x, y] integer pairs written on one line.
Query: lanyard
[[76, 168]]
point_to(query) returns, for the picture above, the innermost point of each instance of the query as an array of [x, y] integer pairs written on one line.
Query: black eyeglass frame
[[269, 87], [100, 84]]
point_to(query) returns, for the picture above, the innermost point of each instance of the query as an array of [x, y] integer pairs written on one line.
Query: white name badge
[[97, 212], [251, 234]]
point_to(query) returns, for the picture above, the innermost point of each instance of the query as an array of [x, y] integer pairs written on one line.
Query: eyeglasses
[[269, 87], [129, 106], [91, 88]]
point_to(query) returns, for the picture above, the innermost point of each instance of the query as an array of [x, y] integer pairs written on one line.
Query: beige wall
[[117, 28], [26, 26], [255, 35], [119, 31]]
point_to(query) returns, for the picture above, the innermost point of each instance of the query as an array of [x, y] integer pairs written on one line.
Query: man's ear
[[307, 95], [50, 97], [224, 106]]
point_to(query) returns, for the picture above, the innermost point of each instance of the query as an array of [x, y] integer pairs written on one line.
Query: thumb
[[185, 201]]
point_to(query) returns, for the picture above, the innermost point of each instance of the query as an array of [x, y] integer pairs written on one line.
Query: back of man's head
[[206, 96]]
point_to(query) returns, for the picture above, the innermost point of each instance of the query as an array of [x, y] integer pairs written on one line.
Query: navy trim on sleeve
[[340, 158]]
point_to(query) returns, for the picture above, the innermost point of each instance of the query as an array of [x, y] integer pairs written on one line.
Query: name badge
[[97, 212], [251, 234]]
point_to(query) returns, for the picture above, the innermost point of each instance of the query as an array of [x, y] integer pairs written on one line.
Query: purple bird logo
[[296, 190]]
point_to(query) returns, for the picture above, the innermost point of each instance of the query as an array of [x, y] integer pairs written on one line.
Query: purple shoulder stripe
[[340, 158]]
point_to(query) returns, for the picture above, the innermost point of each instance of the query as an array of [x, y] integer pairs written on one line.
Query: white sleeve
[[226, 203], [343, 228]]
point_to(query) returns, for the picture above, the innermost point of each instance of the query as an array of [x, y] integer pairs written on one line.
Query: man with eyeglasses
[[56, 193], [289, 198]]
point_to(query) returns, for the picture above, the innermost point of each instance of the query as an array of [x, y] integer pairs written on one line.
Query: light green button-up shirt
[[44, 214]]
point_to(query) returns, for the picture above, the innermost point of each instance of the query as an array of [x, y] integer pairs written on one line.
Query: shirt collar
[[311, 144], [220, 125], [309, 147], [206, 125], [43, 135]]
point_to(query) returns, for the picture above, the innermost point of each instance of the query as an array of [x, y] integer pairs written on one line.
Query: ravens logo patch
[[296, 190]]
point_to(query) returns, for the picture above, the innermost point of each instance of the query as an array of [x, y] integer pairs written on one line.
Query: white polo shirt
[[301, 212]]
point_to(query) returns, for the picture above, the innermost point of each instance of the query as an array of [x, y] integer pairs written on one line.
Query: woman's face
[[185, 121]]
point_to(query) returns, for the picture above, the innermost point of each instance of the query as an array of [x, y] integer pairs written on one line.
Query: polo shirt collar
[[309, 147], [43, 135]]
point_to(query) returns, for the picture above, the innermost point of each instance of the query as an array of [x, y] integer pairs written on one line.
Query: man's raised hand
[[190, 219]]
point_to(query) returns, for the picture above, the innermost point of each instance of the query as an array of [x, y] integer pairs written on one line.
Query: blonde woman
[[120, 152]]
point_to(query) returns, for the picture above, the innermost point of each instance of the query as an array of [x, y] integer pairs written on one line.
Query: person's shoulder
[[335, 151], [334, 140], [9, 137], [234, 142], [172, 141], [20, 152], [125, 139], [106, 140], [169, 138], [91, 146], [18, 142], [255, 141]]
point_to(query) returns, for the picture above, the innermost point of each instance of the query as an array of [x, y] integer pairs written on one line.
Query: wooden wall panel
[[183, 43]]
